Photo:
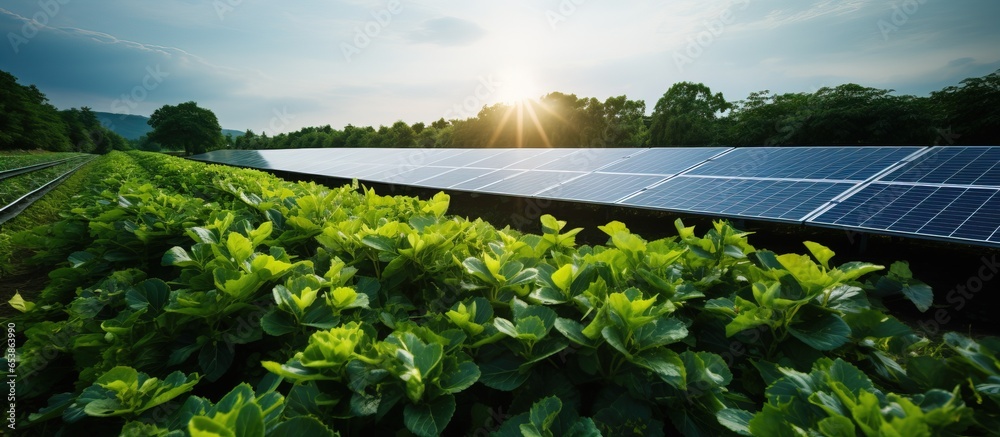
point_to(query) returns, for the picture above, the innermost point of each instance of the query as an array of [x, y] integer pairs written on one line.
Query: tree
[[401, 135], [624, 123], [686, 115], [971, 110], [186, 126]]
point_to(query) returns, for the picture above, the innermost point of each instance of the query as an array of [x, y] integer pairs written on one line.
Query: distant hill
[[134, 126]]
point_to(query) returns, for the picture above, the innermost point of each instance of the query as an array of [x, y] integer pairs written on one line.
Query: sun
[[516, 86]]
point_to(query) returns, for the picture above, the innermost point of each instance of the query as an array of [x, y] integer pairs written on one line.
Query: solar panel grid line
[[759, 178], [452, 177], [625, 199], [942, 213], [590, 159], [853, 163], [528, 183], [707, 161], [551, 156], [955, 165], [785, 201], [478, 183], [663, 161], [599, 188]]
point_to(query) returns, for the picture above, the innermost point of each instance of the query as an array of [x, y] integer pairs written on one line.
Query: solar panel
[[929, 211], [484, 180], [588, 159], [952, 165], [663, 161], [417, 174], [466, 158], [452, 177], [600, 187], [751, 198], [830, 163], [510, 157], [530, 182], [950, 193], [533, 163]]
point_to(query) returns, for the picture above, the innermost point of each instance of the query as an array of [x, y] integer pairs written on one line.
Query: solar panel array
[[949, 193]]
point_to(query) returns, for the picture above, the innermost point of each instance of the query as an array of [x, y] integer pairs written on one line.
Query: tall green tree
[[971, 110], [186, 127], [687, 115]]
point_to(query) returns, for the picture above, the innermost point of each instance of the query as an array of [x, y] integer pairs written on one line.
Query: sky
[[277, 66]]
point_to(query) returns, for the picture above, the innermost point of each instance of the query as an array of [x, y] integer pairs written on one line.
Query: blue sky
[[277, 66]]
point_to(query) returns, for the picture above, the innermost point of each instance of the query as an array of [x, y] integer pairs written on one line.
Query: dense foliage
[[30, 122], [186, 127], [689, 114], [192, 299]]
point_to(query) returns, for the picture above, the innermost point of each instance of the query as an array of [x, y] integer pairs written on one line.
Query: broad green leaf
[[257, 236], [735, 420], [563, 278], [824, 333], [530, 328], [178, 257], [805, 271], [541, 416], [277, 323], [773, 422], [504, 326], [18, 303], [573, 330], [301, 426], [429, 419], [250, 421], [237, 284], [920, 294], [666, 364], [379, 243], [151, 294], [478, 268], [660, 332], [853, 270], [614, 337], [215, 359], [822, 253], [202, 426], [502, 373], [202, 235], [240, 248], [838, 426], [293, 371], [77, 259], [460, 377]]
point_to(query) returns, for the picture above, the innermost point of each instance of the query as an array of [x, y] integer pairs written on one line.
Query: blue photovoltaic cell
[[830, 163], [484, 180], [588, 159], [510, 157], [417, 174], [942, 212], [453, 177], [334, 170], [530, 182], [952, 165], [601, 187], [664, 161], [535, 162], [773, 199], [466, 158]]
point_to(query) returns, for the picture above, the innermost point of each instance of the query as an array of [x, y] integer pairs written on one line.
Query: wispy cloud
[[447, 31]]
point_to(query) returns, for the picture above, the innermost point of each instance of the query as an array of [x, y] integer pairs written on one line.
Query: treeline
[[29, 122], [689, 114]]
